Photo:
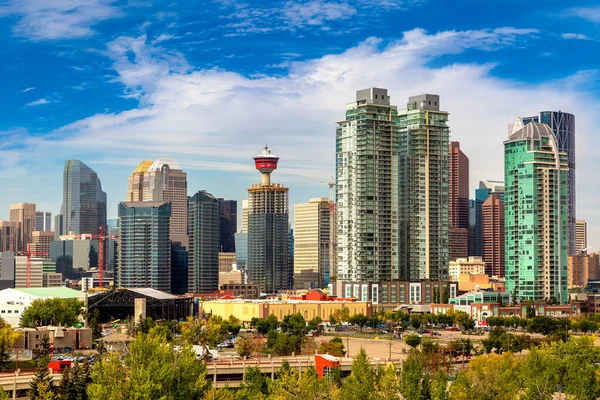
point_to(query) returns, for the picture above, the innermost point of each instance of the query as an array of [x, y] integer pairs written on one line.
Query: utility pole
[[347, 346], [390, 350]]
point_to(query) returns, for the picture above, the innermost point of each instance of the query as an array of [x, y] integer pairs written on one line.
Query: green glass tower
[[423, 190], [536, 212]]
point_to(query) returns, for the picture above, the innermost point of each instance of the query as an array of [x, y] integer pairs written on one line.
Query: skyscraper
[[492, 212], [486, 188], [459, 202], [580, 235], [203, 250], [367, 189], [43, 221], [536, 210], [311, 243], [84, 203], [228, 225], [160, 181], [563, 126], [268, 229], [144, 251], [7, 236], [23, 216], [241, 250], [423, 194], [245, 210]]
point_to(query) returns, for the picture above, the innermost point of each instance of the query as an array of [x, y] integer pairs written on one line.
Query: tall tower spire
[[266, 163]]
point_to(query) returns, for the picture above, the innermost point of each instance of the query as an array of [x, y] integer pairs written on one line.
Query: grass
[[23, 365]]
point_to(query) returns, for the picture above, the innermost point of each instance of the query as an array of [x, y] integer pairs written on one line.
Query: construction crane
[[332, 224], [101, 252]]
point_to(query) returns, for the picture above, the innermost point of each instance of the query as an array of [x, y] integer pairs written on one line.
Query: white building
[[471, 265]]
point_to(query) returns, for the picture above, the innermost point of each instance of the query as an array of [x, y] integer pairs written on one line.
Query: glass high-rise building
[[203, 250], [536, 213], [486, 188], [241, 250], [84, 203], [228, 225], [43, 221], [144, 250], [23, 216], [563, 126], [367, 189], [423, 211]]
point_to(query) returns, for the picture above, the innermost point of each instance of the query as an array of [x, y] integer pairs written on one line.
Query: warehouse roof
[[61, 292]]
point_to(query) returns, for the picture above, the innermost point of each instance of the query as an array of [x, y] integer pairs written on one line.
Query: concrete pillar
[[139, 309]]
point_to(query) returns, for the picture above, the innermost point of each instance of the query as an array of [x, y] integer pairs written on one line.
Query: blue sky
[[115, 82]]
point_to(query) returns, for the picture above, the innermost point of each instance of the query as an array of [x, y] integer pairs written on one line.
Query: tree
[[74, 382], [436, 295], [415, 320], [94, 323], [360, 385], [55, 311], [295, 324], [388, 385], [359, 320], [153, 370], [542, 324], [203, 333], [314, 323], [445, 296], [234, 325], [341, 315], [414, 381], [42, 385], [439, 386], [464, 320], [8, 337], [245, 346], [335, 347], [413, 340], [255, 382], [263, 326]]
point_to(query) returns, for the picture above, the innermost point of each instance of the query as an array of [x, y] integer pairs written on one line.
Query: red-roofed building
[[324, 363]]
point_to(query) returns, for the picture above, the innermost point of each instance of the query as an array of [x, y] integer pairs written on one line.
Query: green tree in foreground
[[360, 385], [55, 311], [42, 385], [413, 340]]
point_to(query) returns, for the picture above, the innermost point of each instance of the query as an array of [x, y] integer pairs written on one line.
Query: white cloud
[[578, 36], [590, 13], [38, 102], [316, 12], [163, 37], [28, 89], [58, 19]]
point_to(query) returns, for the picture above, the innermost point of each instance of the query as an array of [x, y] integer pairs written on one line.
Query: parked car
[[453, 329]]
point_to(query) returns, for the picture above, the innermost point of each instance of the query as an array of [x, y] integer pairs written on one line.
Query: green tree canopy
[[55, 311]]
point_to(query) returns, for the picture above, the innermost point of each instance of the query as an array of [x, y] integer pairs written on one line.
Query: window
[[326, 371], [393, 294], [365, 293], [384, 298], [375, 294]]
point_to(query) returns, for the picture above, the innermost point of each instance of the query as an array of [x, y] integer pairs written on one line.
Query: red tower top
[[266, 163]]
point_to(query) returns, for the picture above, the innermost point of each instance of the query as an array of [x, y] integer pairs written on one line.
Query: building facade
[[311, 243], [486, 188], [462, 266], [137, 185], [203, 227], [227, 262], [423, 176], [144, 255], [7, 270], [22, 215], [459, 201], [580, 235], [241, 250], [245, 211], [40, 243], [84, 203], [367, 188], [536, 214], [36, 272], [74, 255], [8, 234], [492, 226], [268, 229], [228, 225], [43, 221], [583, 268], [563, 126]]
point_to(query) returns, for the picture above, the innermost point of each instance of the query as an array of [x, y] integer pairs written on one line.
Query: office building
[[203, 250], [111, 245], [367, 188], [536, 210], [228, 225], [84, 203], [458, 185], [486, 188], [40, 243], [144, 255], [22, 215], [423, 194], [8, 234], [179, 268], [492, 212], [241, 250], [36, 272], [311, 243], [291, 259], [43, 221], [466, 266], [245, 211], [232, 277], [563, 127], [162, 181], [74, 254], [580, 236], [7, 270], [583, 268], [268, 228], [227, 262]]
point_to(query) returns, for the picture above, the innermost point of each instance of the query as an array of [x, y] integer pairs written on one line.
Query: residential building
[[203, 228], [228, 225], [536, 211], [486, 188], [43, 221], [580, 235], [84, 203], [311, 243], [7, 270], [40, 243], [8, 235], [22, 215], [492, 227], [367, 188], [144, 255], [459, 201], [241, 250], [583, 268], [245, 211], [162, 181], [471, 265], [268, 228], [227, 262], [563, 127], [35, 271], [423, 194]]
